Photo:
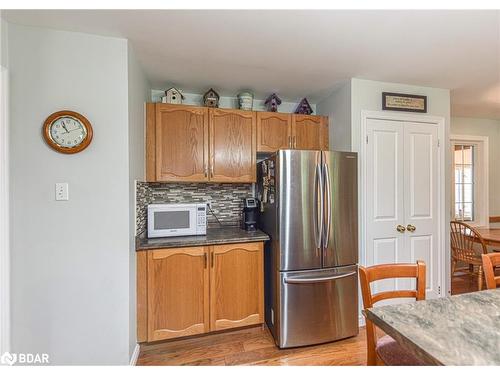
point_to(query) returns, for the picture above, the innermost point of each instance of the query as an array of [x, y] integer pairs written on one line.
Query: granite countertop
[[214, 236], [457, 330]]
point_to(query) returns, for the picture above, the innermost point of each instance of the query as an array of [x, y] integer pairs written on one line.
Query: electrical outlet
[[62, 193]]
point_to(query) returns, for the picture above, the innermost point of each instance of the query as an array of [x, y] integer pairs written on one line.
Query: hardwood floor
[[251, 346]]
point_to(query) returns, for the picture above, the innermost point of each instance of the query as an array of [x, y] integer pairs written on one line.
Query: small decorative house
[[272, 103], [211, 99], [304, 108], [173, 96]]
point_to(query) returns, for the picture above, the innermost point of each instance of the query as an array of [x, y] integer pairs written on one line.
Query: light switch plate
[[62, 193]]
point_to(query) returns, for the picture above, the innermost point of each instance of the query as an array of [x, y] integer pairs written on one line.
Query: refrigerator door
[[318, 306], [340, 229], [300, 209]]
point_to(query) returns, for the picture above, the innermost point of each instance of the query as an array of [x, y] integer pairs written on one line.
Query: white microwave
[[169, 220]]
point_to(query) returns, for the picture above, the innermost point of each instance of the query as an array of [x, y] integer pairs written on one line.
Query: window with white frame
[[470, 179]]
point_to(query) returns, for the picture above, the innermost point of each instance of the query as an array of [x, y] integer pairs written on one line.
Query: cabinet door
[[178, 292], [232, 145], [273, 131], [236, 285], [181, 143], [325, 134], [306, 132]]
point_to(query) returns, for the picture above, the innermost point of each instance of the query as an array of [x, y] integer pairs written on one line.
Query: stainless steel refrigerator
[[309, 209]]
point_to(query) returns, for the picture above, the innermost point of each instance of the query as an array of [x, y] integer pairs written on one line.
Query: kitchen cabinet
[[325, 146], [180, 147], [306, 132], [177, 292], [232, 145], [197, 144], [236, 285], [274, 131], [277, 131], [194, 290]]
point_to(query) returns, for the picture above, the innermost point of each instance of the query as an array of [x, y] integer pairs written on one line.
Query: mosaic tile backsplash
[[226, 199]]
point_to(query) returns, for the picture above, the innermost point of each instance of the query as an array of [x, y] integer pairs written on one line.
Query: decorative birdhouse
[[173, 96], [211, 99], [272, 103], [304, 108]]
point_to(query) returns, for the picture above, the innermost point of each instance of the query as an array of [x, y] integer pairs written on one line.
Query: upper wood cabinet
[[274, 131], [306, 132], [236, 285], [197, 144], [177, 141], [177, 292], [325, 135], [232, 145]]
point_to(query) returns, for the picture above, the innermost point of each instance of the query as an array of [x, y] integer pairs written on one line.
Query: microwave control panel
[[201, 219]]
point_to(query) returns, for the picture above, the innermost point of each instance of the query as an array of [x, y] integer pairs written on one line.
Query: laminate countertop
[[458, 330], [214, 236]]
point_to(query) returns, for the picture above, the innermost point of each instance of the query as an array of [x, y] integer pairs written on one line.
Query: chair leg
[[480, 278]]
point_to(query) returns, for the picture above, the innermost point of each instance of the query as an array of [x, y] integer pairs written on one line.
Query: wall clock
[[67, 132]]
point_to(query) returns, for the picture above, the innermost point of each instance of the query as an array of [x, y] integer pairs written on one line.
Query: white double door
[[402, 186]]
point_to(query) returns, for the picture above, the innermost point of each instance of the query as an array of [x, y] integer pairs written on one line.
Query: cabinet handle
[[294, 142], [212, 259], [205, 258], [212, 170], [206, 170], [290, 141]]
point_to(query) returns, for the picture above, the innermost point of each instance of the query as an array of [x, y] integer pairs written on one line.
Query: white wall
[[138, 93], [229, 101], [70, 260], [490, 129], [337, 106]]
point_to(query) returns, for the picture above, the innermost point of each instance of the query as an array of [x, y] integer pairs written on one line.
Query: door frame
[[444, 251], [4, 214]]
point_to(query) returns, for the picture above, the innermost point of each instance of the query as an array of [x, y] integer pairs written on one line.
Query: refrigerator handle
[[316, 279], [318, 201], [328, 206]]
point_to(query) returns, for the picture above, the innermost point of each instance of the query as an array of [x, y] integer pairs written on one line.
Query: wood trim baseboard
[[135, 355], [494, 219]]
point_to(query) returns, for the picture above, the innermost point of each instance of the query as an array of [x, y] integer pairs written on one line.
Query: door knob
[[411, 228], [400, 228]]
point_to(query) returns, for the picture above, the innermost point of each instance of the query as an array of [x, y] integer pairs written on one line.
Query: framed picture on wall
[[404, 102]]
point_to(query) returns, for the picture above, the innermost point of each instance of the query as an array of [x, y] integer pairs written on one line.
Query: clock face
[[68, 132]]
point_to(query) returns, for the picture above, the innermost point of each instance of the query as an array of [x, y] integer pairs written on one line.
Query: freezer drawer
[[318, 306]]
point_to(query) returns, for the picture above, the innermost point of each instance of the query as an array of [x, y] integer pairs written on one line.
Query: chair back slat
[[367, 275], [394, 294], [463, 238], [490, 261]]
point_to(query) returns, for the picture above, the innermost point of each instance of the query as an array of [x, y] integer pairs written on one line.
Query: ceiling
[[303, 53]]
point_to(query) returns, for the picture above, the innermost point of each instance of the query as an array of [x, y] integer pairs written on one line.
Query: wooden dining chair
[[490, 261], [386, 350], [463, 239]]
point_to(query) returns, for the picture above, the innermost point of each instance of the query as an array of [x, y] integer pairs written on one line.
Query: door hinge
[[439, 289], [366, 139], [439, 143]]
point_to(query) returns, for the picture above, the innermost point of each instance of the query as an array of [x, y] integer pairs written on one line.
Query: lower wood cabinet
[[194, 290], [177, 292], [236, 286]]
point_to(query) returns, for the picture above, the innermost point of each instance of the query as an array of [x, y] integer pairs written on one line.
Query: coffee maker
[[250, 212]]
